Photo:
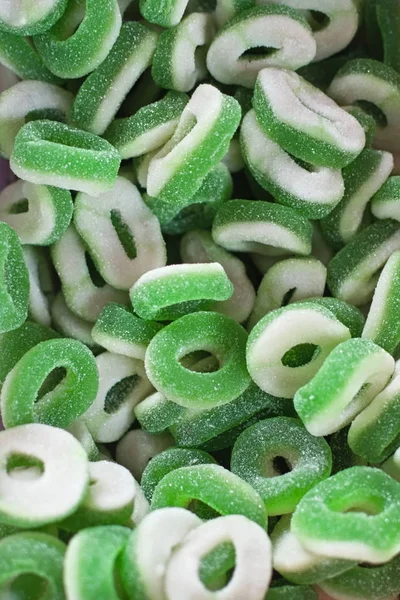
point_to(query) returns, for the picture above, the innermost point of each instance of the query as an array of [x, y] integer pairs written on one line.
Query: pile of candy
[[200, 300]]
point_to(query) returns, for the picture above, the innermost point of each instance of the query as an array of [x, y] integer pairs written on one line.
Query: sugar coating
[[384, 204], [14, 280], [37, 264], [69, 324], [156, 413], [166, 14], [136, 448], [31, 18], [17, 54]]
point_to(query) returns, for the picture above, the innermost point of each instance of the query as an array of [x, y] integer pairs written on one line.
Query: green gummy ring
[[346, 313], [312, 192], [120, 331], [103, 92], [201, 139], [375, 432], [209, 331], [170, 292], [350, 378], [179, 60], [213, 485], [17, 54], [354, 271], [166, 14], [324, 525], [32, 553], [55, 154], [45, 475], [261, 227], [90, 562], [149, 128], [305, 121], [376, 87], [287, 347], [14, 281], [167, 461], [309, 460], [386, 202], [49, 212], [72, 54], [67, 401], [362, 179], [229, 58], [32, 19]]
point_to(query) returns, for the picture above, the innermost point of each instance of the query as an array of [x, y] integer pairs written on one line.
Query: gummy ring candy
[[14, 282], [308, 459], [32, 18], [156, 413], [71, 397], [324, 523], [346, 313], [215, 333], [385, 204], [44, 471], [18, 55], [165, 14]]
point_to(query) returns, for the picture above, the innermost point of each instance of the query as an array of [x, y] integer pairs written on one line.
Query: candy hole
[[357, 403], [374, 111], [303, 164], [318, 20], [28, 587], [202, 510], [95, 276], [300, 355], [124, 234], [217, 567], [71, 21], [200, 362], [281, 465], [370, 506], [24, 467], [258, 53], [365, 509], [118, 393], [53, 379], [51, 114], [288, 296], [187, 123], [22, 206]]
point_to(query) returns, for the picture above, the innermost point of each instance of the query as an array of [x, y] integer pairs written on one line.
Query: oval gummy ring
[[32, 18], [44, 475], [288, 346], [229, 58], [209, 331], [33, 553], [170, 292], [72, 53], [325, 524], [55, 154], [213, 485], [14, 280], [67, 401], [308, 459]]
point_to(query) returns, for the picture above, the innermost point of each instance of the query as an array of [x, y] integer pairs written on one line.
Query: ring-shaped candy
[[30, 19], [353, 514], [308, 459], [156, 413], [44, 475], [166, 14], [69, 49], [53, 153], [386, 202], [18, 55], [347, 314], [14, 281], [71, 397], [215, 333]]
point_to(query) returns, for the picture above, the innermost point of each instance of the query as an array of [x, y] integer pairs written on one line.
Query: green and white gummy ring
[[32, 17], [386, 202], [350, 378], [346, 313], [52, 153], [212, 485], [375, 432], [33, 554], [75, 388], [308, 458], [166, 14], [290, 280], [305, 121], [69, 324], [109, 499], [90, 562], [312, 191], [261, 227], [137, 448], [170, 292], [25, 101], [287, 347], [297, 564], [122, 384], [167, 461], [199, 246], [156, 413], [14, 280], [153, 542], [369, 82], [69, 49], [18, 55], [354, 271], [44, 475], [201, 139], [382, 326], [122, 234], [38, 213], [120, 331], [253, 568], [179, 60], [353, 514], [208, 331], [81, 294], [149, 128], [103, 92], [38, 306], [362, 179], [283, 32]]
